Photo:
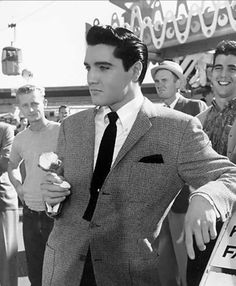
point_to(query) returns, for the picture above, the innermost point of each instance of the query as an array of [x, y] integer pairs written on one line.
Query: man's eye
[[87, 68], [104, 68]]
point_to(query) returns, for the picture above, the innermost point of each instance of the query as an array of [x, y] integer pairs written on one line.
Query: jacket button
[[82, 257]]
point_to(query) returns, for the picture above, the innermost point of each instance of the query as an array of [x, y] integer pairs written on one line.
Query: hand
[[200, 222], [54, 189]]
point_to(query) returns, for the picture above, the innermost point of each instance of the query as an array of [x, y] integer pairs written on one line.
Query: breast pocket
[[146, 179]]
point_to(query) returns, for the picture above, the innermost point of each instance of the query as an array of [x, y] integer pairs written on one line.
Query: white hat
[[172, 67]]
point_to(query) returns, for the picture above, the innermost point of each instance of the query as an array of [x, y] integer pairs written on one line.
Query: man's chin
[[98, 102]]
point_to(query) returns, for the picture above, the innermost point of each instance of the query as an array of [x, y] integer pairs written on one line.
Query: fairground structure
[[186, 32]]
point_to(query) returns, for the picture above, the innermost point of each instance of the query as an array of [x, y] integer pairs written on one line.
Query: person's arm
[[6, 143], [211, 175], [53, 186], [15, 178]]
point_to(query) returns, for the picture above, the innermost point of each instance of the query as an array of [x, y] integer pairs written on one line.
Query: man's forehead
[[163, 73], [99, 53], [32, 96], [229, 60]]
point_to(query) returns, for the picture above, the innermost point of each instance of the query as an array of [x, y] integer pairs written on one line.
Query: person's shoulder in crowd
[[54, 124], [190, 106], [202, 115], [5, 125]]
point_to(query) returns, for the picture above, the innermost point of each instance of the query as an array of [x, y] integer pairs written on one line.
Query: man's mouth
[[94, 91], [223, 83]]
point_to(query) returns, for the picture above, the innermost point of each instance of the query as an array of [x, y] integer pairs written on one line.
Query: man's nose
[[92, 76], [224, 72]]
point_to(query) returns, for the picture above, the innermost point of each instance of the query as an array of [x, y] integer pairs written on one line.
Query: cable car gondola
[[11, 58]]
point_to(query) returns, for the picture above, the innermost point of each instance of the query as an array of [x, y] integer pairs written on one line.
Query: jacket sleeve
[[204, 169]]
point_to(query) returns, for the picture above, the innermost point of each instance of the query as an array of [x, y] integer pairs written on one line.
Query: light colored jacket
[[149, 170]]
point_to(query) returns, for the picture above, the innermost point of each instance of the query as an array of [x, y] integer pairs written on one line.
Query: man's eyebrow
[[103, 63], [220, 65], [100, 63]]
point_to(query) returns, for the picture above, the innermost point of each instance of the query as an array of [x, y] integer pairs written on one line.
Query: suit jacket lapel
[[141, 125], [180, 103]]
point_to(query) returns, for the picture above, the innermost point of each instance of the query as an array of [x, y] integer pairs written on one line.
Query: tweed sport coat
[[163, 149]]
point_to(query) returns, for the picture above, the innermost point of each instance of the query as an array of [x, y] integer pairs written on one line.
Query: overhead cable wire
[[29, 15]]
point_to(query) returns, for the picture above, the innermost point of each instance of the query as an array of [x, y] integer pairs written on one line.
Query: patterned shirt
[[218, 124]]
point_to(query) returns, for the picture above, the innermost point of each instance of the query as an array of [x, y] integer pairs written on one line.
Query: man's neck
[[38, 125], [170, 100], [222, 102]]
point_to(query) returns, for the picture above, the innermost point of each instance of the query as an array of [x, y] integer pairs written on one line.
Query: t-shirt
[[28, 145]]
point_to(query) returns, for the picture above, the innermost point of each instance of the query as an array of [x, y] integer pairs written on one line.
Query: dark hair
[[225, 47], [63, 106], [128, 47]]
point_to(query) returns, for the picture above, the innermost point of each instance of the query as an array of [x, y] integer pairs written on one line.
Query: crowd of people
[[135, 176]]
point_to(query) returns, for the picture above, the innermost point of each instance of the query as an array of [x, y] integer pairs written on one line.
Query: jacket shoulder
[[202, 115]]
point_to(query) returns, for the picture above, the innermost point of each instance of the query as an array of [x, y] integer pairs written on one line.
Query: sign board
[[223, 258]]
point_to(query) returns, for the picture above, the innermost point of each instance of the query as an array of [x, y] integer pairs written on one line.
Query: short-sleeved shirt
[[28, 145], [218, 123], [8, 195]]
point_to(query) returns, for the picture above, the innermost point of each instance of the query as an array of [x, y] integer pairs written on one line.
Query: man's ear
[[178, 83], [45, 102], [136, 70]]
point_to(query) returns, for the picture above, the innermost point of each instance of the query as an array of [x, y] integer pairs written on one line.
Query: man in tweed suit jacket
[[156, 151]]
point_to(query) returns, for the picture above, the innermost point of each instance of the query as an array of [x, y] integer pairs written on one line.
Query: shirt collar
[[125, 113], [230, 104], [173, 103], [130, 110]]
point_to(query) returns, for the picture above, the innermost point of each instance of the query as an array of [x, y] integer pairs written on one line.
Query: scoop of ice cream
[[49, 161]]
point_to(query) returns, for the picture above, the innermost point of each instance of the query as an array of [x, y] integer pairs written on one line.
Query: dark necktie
[[103, 164]]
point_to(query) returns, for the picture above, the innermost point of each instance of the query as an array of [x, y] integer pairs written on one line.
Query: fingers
[[54, 201], [213, 231], [52, 178], [200, 224], [54, 189], [203, 232], [189, 242], [54, 194]]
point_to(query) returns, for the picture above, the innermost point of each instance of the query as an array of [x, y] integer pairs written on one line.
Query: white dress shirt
[[173, 103], [127, 115]]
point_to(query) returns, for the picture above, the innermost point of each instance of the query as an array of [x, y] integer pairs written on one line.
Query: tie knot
[[112, 117]]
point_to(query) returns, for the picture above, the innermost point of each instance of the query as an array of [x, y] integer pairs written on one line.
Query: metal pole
[[13, 25]]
